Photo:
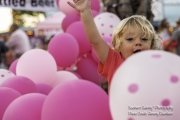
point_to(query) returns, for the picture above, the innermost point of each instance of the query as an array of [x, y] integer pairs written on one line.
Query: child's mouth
[[138, 50]]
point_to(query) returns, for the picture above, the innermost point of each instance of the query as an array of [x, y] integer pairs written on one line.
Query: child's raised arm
[[100, 47]]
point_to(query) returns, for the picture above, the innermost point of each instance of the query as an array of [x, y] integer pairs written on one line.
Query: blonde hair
[[142, 25]]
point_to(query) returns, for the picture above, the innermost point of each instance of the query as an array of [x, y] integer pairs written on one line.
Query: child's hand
[[80, 5]]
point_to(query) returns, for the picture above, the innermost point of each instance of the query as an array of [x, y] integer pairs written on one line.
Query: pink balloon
[[64, 48], [87, 69], [37, 65], [84, 44], [147, 82], [95, 5], [12, 67], [26, 107], [7, 95], [5, 74], [76, 100], [44, 89], [20, 83], [106, 22], [69, 19], [63, 76], [65, 8], [88, 55]]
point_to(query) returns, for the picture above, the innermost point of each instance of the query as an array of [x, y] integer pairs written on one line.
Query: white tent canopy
[[51, 25], [52, 22]]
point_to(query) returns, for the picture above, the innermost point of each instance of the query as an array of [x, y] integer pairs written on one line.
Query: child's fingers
[[75, 1], [72, 5]]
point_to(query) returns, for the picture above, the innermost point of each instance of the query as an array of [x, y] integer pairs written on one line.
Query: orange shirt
[[114, 60]]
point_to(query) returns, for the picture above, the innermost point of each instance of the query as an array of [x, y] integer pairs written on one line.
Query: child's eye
[[129, 39], [144, 39]]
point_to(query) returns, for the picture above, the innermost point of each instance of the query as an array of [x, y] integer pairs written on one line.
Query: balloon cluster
[[145, 86], [61, 82]]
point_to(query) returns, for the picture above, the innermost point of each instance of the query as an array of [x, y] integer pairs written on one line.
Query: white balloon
[[5, 74], [106, 22], [147, 82], [37, 65]]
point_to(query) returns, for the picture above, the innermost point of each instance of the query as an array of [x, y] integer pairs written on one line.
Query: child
[[132, 35]]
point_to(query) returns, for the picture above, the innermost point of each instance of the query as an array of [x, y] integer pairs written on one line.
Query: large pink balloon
[[69, 19], [12, 67], [26, 107], [147, 82], [20, 83], [76, 100], [63, 76], [37, 65], [87, 69], [64, 48], [7, 95], [76, 29], [5, 74]]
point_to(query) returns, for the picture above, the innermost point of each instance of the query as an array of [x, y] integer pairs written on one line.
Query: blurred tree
[[125, 8], [20, 20]]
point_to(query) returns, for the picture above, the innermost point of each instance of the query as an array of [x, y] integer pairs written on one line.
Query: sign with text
[[30, 5]]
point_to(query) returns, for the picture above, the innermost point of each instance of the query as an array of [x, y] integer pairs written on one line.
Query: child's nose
[[138, 43]]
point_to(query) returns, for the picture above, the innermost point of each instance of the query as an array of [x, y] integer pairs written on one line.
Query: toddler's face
[[133, 43]]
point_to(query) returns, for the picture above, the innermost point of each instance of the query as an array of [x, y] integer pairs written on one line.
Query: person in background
[[3, 51], [18, 41], [163, 30], [175, 39]]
